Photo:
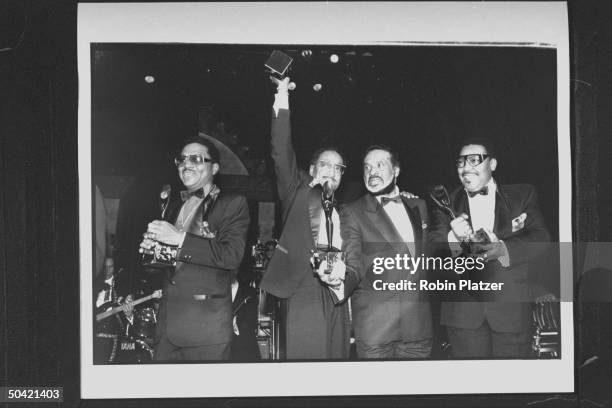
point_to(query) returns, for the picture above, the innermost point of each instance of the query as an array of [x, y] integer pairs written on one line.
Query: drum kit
[[130, 339]]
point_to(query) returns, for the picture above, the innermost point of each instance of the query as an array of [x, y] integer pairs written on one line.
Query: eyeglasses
[[473, 159], [193, 159], [338, 168]]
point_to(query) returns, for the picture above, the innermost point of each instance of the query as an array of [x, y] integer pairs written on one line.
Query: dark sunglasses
[[194, 159], [473, 159]]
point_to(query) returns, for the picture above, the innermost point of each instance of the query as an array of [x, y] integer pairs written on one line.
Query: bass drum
[[134, 351]]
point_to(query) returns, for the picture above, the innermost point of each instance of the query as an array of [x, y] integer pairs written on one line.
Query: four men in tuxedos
[[209, 227], [497, 323]]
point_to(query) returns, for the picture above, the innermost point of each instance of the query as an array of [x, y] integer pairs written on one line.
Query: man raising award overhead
[[316, 328], [208, 228]]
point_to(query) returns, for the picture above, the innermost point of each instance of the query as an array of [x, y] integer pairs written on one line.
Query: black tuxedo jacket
[[506, 310], [381, 316], [301, 206], [196, 307]]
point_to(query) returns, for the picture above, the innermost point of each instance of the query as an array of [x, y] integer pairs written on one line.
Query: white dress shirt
[[482, 208], [400, 219]]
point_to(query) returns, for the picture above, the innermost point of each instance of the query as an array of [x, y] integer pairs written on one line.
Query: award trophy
[[161, 255], [327, 253], [278, 63], [440, 196]]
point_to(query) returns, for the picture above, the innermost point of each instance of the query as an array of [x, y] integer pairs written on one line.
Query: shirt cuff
[[281, 101], [504, 260], [454, 244], [180, 245]]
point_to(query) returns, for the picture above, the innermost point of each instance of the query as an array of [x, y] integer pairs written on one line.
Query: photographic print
[[367, 190]]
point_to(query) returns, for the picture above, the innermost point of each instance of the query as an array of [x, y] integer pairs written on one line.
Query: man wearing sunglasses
[[490, 323], [209, 227], [315, 327]]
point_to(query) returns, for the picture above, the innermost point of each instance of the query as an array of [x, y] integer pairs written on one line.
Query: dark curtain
[[39, 248]]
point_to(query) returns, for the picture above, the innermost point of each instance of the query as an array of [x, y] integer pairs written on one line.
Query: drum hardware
[[268, 326], [145, 323], [262, 253], [547, 337]]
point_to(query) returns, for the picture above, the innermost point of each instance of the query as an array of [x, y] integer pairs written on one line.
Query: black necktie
[[483, 191], [185, 194], [385, 200]]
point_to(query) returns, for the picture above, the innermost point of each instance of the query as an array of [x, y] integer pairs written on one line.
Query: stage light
[[334, 58], [307, 53], [149, 79], [317, 87]]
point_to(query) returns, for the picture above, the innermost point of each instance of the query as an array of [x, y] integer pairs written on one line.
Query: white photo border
[[538, 24]]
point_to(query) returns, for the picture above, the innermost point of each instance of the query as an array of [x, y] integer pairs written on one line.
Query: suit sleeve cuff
[[504, 260], [454, 244]]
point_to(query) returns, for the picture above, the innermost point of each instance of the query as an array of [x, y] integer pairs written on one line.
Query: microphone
[[164, 199]]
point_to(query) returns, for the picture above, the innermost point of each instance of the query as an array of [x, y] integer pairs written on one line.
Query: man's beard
[[387, 190]]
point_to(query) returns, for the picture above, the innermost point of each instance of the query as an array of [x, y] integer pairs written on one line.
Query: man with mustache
[[384, 224], [209, 226], [491, 323], [316, 328]]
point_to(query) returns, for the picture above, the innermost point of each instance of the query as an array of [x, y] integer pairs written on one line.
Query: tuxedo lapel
[[417, 228], [314, 211], [383, 224], [461, 205], [174, 207], [502, 211]]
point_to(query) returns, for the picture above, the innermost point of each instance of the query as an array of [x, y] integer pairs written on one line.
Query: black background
[[421, 100], [39, 253]]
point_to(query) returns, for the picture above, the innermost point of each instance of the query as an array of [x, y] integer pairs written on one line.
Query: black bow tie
[[385, 200], [483, 191], [185, 195]]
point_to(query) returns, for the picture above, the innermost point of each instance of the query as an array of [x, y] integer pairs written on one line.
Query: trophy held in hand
[[160, 255], [470, 243], [327, 252]]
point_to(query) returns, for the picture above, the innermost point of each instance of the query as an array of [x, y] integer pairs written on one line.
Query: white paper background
[[500, 24]]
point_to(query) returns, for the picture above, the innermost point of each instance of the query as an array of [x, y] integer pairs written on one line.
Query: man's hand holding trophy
[[482, 243], [160, 244]]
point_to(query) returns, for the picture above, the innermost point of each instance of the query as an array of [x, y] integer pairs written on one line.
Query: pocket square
[[519, 222]]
